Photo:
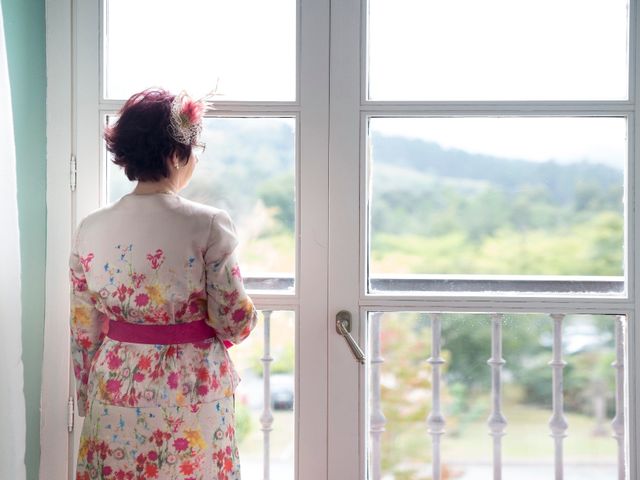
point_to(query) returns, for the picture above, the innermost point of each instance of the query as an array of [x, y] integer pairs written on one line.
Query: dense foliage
[[447, 211]]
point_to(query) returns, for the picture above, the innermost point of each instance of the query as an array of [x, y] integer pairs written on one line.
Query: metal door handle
[[343, 327]]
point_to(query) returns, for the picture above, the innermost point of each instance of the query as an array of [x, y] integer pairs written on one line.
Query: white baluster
[[618, 421], [496, 421], [377, 420], [558, 422], [267, 417], [435, 420]]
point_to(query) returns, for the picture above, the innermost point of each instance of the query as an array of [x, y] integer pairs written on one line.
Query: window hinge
[[73, 170], [70, 413]]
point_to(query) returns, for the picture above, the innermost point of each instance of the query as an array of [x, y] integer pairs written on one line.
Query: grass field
[[526, 446], [527, 443]]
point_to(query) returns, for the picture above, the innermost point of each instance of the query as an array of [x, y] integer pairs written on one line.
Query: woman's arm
[[86, 335], [231, 311]]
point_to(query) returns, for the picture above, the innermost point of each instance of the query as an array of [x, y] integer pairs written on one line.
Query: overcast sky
[[565, 140], [419, 50]]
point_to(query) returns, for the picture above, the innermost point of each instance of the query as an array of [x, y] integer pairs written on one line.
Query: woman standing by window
[[157, 297]]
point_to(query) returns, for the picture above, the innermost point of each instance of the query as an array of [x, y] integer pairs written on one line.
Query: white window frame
[[347, 282], [75, 112], [331, 110]]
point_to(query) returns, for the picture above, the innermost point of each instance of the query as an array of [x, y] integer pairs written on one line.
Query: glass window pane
[[499, 199], [498, 50], [247, 169], [248, 46], [401, 394], [248, 358]]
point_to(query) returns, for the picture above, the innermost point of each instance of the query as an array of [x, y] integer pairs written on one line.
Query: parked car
[[251, 390], [282, 391]]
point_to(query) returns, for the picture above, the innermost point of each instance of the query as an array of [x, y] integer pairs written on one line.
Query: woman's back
[[158, 275], [146, 260]]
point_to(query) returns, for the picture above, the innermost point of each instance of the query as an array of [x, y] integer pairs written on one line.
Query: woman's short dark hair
[[140, 141]]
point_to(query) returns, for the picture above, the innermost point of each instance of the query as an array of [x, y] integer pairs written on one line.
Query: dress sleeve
[[230, 310], [85, 320]]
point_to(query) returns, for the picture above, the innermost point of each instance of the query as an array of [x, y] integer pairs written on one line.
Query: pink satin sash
[[191, 332]]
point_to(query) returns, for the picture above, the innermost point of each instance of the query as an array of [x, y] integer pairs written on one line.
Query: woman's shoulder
[[216, 218], [95, 217], [197, 208]]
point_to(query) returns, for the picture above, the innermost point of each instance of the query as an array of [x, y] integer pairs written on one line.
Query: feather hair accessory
[[185, 122]]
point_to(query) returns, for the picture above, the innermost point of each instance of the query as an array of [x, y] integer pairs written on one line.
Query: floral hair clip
[[185, 123]]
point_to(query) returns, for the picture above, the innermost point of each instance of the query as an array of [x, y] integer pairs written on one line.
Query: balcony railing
[[436, 421], [497, 422]]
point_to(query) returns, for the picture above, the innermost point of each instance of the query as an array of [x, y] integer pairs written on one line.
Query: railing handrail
[[384, 283]]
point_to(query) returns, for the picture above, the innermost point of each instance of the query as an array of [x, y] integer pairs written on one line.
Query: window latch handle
[[343, 327]]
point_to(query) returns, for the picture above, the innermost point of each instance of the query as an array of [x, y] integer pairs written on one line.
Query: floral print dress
[[156, 411]]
